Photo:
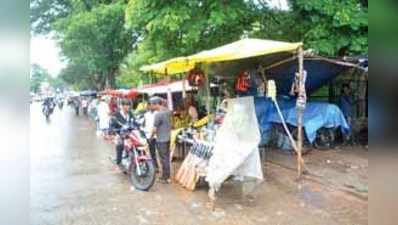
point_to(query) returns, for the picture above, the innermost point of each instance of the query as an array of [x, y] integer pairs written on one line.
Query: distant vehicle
[[60, 103], [48, 107], [37, 98]]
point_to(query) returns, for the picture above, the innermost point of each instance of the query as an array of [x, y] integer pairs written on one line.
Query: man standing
[[148, 128], [76, 104], [162, 130], [346, 105], [346, 102], [103, 114]]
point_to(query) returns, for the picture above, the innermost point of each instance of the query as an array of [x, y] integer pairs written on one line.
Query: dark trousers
[[119, 153], [164, 154], [77, 110], [152, 151]]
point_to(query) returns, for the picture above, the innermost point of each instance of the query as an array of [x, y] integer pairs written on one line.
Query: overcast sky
[[45, 52]]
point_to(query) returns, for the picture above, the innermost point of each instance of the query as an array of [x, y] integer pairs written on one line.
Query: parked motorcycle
[[136, 161]]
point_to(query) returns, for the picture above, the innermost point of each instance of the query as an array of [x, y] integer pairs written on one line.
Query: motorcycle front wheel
[[144, 181]]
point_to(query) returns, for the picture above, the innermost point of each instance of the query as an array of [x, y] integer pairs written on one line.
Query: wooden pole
[[300, 107], [206, 72]]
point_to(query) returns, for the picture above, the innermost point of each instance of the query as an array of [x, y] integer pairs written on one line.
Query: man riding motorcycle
[[60, 102], [123, 117], [48, 106]]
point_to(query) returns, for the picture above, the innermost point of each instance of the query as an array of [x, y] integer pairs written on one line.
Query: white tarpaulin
[[236, 145], [176, 86]]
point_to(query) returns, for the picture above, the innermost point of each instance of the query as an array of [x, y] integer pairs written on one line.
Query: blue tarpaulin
[[319, 73], [316, 116]]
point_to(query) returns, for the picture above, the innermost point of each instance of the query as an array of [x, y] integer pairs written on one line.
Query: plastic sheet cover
[[236, 145], [316, 116]]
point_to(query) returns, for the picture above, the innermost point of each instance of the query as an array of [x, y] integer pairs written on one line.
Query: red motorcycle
[[136, 161]]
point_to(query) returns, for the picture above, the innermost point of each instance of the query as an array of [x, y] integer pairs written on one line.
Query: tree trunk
[[110, 79]]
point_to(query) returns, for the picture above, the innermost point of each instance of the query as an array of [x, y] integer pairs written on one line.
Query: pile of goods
[[195, 164], [200, 136]]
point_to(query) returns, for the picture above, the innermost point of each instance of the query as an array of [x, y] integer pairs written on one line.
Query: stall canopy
[[121, 93], [172, 87], [245, 48], [171, 66], [319, 70]]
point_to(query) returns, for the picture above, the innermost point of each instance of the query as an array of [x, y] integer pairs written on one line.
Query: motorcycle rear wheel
[[147, 179]]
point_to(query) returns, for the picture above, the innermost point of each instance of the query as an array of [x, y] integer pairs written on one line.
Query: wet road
[[72, 183]]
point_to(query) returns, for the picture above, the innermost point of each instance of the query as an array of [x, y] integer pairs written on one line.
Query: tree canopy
[[333, 27], [91, 35], [107, 41], [39, 75]]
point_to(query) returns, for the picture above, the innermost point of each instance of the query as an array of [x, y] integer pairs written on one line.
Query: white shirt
[[103, 115], [149, 117]]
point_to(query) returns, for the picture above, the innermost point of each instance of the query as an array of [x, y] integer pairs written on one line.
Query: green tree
[[330, 27], [171, 28], [38, 75], [91, 34], [102, 39], [78, 76], [333, 27], [96, 39], [44, 13], [57, 83]]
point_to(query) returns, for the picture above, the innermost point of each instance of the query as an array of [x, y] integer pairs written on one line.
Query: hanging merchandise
[[242, 82], [196, 78]]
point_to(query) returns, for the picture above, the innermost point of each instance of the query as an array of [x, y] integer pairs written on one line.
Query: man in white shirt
[[149, 123], [103, 114]]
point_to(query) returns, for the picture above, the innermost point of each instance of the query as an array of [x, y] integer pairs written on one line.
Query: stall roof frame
[[245, 48]]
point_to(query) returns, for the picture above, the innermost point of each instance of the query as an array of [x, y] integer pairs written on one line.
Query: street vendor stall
[[173, 91], [238, 56]]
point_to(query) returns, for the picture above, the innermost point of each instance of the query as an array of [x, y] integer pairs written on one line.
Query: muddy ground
[[72, 182]]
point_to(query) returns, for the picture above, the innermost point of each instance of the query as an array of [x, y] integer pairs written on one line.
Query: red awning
[[130, 94]]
